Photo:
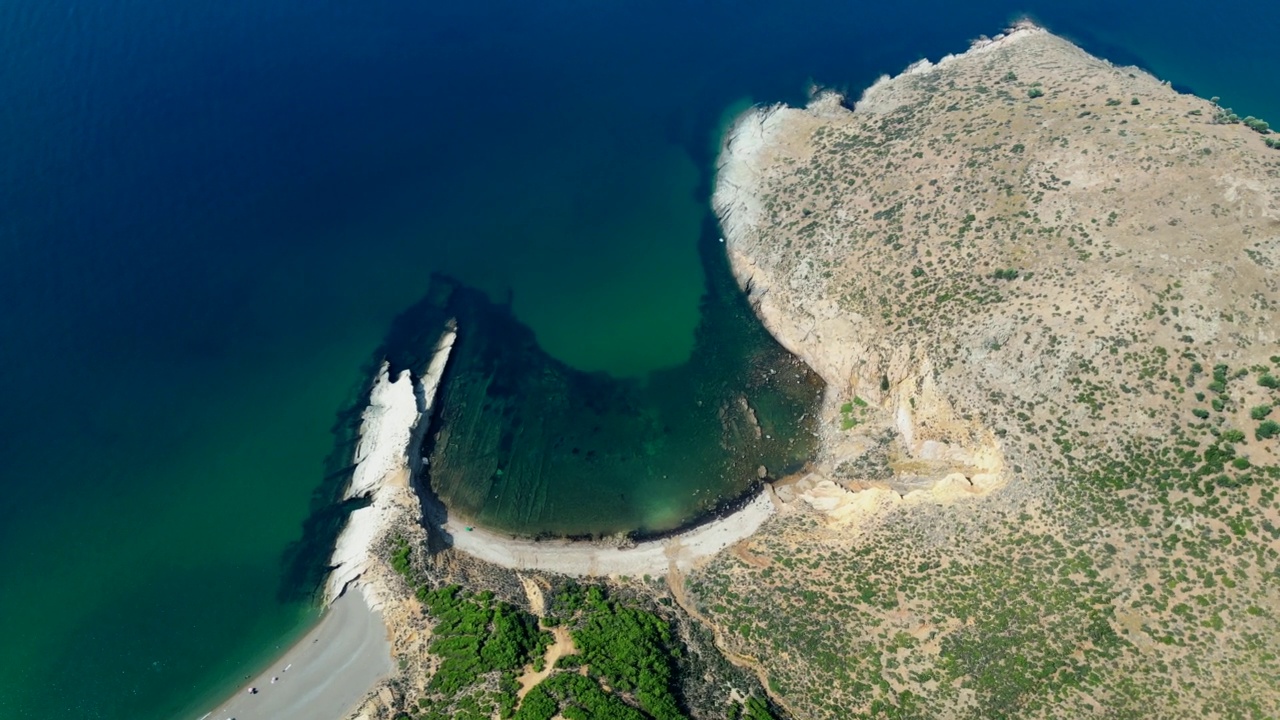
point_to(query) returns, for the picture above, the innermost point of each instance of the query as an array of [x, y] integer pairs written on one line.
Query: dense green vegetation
[[482, 645], [576, 697], [632, 650], [625, 667], [475, 635]]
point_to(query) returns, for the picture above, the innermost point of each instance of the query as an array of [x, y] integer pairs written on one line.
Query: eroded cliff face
[[1042, 292]]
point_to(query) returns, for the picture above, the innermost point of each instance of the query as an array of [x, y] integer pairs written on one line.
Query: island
[[1042, 293]]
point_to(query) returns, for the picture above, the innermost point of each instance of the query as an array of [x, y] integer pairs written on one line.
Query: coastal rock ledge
[[386, 458]]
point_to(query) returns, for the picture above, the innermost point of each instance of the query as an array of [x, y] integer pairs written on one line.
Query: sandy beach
[[325, 675], [655, 557]]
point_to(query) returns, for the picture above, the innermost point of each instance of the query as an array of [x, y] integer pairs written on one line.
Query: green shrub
[[1035, 92], [1260, 412], [1257, 125], [1268, 381], [633, 651], [400, 557], [475, 635], [1267, 430]]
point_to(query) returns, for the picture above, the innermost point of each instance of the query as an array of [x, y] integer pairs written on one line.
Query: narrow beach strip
[[681, 551]]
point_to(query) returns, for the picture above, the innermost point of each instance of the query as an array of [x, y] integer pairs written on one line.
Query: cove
[[525, 444]]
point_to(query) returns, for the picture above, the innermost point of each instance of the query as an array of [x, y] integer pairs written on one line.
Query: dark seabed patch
[[528, 445]]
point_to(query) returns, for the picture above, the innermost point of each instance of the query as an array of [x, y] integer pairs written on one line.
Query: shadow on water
[[408, 345]]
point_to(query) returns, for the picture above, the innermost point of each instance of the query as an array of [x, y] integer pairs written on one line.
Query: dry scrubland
[[1043, 291]]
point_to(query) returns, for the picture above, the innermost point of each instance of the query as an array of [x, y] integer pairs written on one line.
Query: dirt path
[[537, 603], [562, 646]]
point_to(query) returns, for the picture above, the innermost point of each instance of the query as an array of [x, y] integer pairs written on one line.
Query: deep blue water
[[211, 211]]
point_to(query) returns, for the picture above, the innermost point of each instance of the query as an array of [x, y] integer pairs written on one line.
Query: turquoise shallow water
[[210, 213]]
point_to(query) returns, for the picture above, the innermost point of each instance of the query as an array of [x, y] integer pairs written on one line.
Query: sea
[[213, 211]]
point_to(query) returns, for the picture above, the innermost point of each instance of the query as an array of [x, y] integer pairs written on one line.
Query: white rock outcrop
[[386, 456]]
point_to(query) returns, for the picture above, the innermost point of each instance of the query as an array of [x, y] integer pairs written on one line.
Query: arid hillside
[[1043, 292]]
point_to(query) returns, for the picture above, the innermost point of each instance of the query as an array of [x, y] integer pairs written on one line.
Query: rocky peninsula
[[1042, 291]]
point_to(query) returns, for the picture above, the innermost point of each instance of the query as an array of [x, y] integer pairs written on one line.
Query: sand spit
[[682, 551]]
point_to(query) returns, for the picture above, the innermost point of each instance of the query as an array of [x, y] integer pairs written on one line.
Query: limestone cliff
[[385, 458]]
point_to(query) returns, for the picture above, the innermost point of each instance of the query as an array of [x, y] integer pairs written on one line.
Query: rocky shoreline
[[386, 457], [952, 457]]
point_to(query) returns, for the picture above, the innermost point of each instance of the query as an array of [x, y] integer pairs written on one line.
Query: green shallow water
[[527, 444]]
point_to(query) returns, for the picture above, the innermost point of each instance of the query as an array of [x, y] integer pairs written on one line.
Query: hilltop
[[1042, 291]]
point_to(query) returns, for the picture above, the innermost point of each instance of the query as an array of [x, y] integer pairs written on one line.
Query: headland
[[1042, 291]]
